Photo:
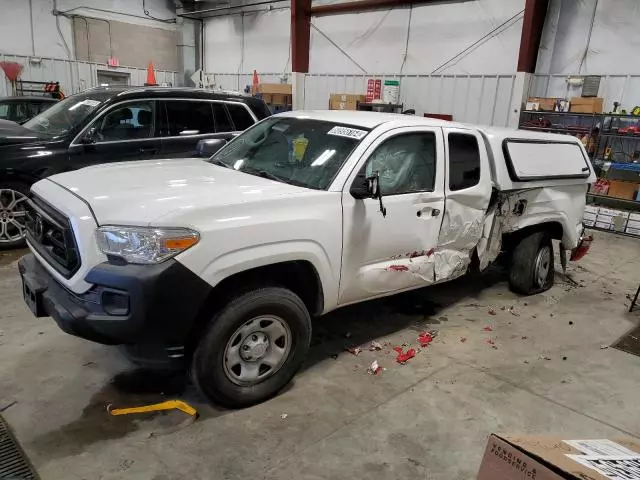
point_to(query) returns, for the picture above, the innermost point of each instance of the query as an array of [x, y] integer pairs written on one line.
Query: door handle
[[151, 150], [434, 212]]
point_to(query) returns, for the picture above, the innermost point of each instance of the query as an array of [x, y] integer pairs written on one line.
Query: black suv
[[111, 124]]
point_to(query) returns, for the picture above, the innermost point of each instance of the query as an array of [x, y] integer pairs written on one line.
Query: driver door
[[383, 255], [124, 132]]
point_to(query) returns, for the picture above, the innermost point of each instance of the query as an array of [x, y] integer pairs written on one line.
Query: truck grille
[[49, 233]]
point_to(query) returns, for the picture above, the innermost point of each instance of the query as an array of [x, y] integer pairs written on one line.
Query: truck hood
[[143, 192]]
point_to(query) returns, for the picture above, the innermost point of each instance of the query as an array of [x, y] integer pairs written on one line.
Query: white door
[[387, 254]]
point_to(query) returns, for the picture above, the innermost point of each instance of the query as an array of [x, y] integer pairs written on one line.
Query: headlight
[[145, 245]]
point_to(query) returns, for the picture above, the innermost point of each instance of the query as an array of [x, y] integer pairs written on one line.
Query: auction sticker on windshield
[[348, 132]]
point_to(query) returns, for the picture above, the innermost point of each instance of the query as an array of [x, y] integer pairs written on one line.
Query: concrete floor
[[426, 419]]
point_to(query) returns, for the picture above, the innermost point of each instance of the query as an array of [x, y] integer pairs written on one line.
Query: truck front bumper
[[149, 308]]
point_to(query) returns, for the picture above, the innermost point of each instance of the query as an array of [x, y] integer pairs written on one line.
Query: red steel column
[[535, 12]]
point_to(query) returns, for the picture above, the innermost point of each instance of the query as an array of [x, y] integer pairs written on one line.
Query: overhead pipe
[[361, 6]]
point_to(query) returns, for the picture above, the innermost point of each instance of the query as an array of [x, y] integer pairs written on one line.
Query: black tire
[[23, 189], [208, 367], [532, 269]]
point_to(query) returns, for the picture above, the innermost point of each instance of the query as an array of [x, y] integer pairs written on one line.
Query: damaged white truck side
[[220, 265]]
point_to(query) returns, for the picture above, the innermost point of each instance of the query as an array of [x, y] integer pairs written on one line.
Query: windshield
[[299, 151], [67, 114]]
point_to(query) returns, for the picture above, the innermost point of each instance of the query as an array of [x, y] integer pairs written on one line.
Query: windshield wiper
[[265, 174], [219, 163]]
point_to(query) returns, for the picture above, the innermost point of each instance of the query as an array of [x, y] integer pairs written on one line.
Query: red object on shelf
[[370, 90], [377, 89]]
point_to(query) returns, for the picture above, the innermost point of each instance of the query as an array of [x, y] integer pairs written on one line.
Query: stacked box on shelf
[[590, 214], [612, 219], [633, 225]]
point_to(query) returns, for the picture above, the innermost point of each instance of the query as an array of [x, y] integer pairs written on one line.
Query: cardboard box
[[633, 224], [544, 104], [591, 209], [344, 101], [281, 88], [510, 457], [276, 99], [589, 216], [586, 105], [612, 212], [621, 189]]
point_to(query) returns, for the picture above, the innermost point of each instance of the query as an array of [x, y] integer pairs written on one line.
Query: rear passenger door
[[185, 122], [468, 190]]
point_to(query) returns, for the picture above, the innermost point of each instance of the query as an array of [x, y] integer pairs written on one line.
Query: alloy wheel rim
[[543, 264], [257, 350], [12, 215]]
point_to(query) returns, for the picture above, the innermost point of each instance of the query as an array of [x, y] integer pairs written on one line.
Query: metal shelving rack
[[604, 130]]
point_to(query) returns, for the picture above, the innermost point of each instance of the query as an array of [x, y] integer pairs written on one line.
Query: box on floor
[[511, 457]]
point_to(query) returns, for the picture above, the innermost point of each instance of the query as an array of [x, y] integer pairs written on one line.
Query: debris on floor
[[375, 346], [425, 338], [374, 368], [463, 339], [284, 416], [155, 407], [488, 328], [513, 312], [491, 311], [491, 343], [604, 347], [403, 356], [354, 350], [544, 357]]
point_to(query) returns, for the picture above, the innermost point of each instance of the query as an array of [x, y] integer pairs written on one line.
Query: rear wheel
[[13, 204], [532, 267], [253, 347]]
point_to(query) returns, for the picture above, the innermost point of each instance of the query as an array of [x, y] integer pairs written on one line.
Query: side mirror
[[209, 146], [90, 137], [365, 187]]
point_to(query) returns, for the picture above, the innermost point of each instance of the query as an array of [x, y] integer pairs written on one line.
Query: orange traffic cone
[[255, 82], [151, 76]]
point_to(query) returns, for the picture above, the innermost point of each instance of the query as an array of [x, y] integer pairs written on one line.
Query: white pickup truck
[[221, 264]]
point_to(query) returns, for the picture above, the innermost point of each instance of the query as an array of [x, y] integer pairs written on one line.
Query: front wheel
[[13, 204], [532, 268], [253, 347]]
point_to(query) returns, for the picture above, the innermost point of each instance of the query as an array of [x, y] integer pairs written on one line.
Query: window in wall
[[464, 161], [406, 163], [223, 122], [131, 121], [189, 118], [241, 117]]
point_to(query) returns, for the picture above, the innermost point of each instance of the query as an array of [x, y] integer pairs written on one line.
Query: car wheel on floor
[[253, 347], [13, 203], [532, 268]]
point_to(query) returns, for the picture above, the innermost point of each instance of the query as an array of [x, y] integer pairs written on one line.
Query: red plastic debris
[[425, 338], [404, 356], [488, 328], [463, 339], [398, 268]]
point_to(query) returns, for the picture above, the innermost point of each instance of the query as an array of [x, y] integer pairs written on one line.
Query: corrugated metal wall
[[613, 88], [482, 99], [74, 76]]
